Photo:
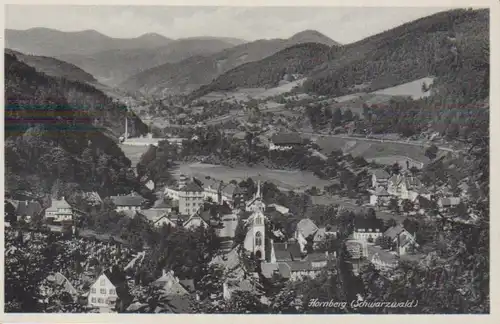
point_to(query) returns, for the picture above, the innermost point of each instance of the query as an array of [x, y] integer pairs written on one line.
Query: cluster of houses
[[381, 246], [58, 212], [405, 186]]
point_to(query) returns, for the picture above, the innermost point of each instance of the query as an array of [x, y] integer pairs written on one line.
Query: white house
[[129, 202], [104, 292], [284, 141], [379, 197], [402, 238], [402, 185], [380, 178], [367, 229], [59, 211], [191, 198]]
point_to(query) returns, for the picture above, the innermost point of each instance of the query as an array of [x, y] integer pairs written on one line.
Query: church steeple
[[258, 195]]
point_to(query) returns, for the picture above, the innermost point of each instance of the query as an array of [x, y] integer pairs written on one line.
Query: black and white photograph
[[163, 159]]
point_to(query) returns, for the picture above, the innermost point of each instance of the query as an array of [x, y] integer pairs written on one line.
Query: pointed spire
[[258, 194]]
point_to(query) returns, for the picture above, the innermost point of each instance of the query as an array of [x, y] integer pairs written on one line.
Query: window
[[100, 300], [258, 239], [92, 290], [93, 300], [111, 291], [103, 291], [102, 282]]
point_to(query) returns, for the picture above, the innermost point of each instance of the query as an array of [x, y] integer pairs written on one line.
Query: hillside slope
[[452, 47], [54, 140], [194, 72], [51, 42], [54, 67], [434, 45], [298, 59]]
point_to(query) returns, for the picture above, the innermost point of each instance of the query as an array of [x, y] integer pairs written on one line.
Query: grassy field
[[134, 153], [244, 94], [285, 180], [413, 89], [384, 152]]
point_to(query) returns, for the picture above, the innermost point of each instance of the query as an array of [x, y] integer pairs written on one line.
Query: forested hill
[[54, 67], [54, 138], [445, 45], [105, 112], [297, 59], [452, 47]]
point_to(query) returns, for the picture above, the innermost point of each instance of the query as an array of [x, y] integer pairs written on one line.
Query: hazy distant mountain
[[50, 42], [194, 72], [114, 66]]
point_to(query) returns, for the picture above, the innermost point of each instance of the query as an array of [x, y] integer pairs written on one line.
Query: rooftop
[[286, 138], [381, 174], [125, 201], [287, 251], [306, 227], [368, 223], [394, 231], [28, 208], [59, 204], [191, 187]]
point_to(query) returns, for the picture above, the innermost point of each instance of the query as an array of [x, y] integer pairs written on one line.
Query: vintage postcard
[[165, 159]]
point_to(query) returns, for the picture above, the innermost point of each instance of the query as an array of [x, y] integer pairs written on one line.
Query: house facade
[[129, 202], [102, 293], [59, 211], [285, 141], [380, 197], [380, 178], [404, 187], [402, 239], [367, 229], [191, 198]]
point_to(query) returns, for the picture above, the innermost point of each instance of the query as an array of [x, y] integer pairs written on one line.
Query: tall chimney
[[126, 126]]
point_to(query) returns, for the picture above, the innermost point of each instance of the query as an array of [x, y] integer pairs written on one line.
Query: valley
[[223, 175]]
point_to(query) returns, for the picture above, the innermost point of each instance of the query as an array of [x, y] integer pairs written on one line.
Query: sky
[[342, 24]]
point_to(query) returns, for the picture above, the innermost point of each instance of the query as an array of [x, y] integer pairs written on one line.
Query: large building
[[59, 211], [285, 141], [191, 198], [367, 229], [129, 202]]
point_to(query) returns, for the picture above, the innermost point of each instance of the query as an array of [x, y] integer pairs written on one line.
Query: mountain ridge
[[194, 72]]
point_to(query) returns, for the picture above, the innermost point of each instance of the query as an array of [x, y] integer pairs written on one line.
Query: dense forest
[[442, 45], [55, 135], [298, 59]]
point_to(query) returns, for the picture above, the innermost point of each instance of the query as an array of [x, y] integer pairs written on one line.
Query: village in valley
[[273, 188]]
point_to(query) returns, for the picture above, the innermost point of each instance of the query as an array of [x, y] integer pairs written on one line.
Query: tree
[[407, 205], [431, 152], [396, 168], [245, 302], [394, 205]]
